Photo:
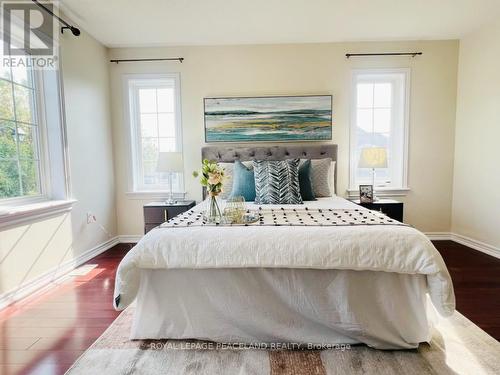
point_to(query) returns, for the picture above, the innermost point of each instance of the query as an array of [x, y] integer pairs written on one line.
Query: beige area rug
[[458, 347]]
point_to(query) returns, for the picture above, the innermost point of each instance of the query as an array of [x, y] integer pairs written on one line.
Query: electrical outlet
[[91, 218]]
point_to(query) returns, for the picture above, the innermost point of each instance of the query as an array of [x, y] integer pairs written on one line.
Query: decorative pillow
[[305, 181], [243, 182], [332, 179], [322, 177], [228, 177], [277, 181]]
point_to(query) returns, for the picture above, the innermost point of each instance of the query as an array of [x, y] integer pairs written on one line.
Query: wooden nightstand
[[390, 207], [156, 213]]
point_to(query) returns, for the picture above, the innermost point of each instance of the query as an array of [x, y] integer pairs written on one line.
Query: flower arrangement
[[212, 177]]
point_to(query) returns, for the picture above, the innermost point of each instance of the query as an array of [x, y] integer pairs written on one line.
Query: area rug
[[458, 347]]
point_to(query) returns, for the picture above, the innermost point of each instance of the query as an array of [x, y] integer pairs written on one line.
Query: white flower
[[214, 178]]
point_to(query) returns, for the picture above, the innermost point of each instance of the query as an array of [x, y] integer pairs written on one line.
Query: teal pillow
[[305, 181], [243, 182]]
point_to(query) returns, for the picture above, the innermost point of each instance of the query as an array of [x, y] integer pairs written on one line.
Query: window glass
[[379, 112], [155, 128], [20, 166]]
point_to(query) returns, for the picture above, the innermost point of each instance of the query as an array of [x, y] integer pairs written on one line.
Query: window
[[155, 126], [21, 147], [33, 162], [379, 119]]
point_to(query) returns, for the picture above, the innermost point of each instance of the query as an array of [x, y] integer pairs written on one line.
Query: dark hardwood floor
[[476, 279], [46, 333]]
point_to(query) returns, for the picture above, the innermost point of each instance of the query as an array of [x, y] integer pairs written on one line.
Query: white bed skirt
[[304, 306]]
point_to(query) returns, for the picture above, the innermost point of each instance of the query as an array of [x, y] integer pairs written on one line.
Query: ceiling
[[127, 23]]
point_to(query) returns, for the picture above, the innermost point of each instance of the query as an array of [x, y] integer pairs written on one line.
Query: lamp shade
[[373, 157], [170, 162]]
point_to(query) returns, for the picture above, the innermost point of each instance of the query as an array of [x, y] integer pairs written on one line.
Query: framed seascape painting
[[270, 118]]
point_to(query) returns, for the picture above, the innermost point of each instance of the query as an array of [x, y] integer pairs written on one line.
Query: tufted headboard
[[231, 153]]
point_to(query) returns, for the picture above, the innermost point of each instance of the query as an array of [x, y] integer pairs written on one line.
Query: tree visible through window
[[20, 166]]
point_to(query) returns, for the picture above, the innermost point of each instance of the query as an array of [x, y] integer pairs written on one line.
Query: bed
[[311, 285]]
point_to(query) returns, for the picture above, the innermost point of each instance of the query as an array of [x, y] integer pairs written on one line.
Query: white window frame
[[48, 150], [55, 191], [55, 188], [136, 188], [353, 190]]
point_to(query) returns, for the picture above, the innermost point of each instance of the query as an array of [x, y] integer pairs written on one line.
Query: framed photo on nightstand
[[366, 193]]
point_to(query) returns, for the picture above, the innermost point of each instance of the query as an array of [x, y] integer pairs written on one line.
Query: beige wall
[[88, 121], [476, 193], [28, 251], [306, 69]]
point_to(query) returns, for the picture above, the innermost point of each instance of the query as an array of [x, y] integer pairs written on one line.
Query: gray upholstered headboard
[[231, 153]]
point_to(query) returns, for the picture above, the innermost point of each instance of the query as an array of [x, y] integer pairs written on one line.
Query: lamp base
[[374, 197], [170, 200]]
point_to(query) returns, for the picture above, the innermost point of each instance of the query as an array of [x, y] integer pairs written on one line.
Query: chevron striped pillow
[[277, 181]]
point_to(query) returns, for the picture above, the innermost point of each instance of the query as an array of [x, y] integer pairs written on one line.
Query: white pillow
[[227, 187], [323, 177], [332, 180]]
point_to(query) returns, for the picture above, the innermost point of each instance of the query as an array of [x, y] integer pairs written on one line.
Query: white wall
[[29, 251], [476, 193], [298, 69]]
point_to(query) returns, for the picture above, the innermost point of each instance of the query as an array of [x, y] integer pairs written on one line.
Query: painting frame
[[327, 124]]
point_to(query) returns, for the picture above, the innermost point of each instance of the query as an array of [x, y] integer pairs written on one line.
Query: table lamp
[[170, 162], [373, 157]]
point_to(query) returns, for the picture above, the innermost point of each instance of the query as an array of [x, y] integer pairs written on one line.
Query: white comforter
[[383, 248]]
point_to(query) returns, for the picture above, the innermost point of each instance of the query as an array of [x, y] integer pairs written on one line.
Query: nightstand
[[390, 207], [156, 213]]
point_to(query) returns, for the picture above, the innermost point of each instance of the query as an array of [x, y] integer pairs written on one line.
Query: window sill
[[144, 195], [384, 192], [18, 215]]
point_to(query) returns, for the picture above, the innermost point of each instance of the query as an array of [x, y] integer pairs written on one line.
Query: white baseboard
[[130, 238], [49, 278], [466, 241], [476, 245], [438, 236]]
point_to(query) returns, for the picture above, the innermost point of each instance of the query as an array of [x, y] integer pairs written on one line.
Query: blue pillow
[[243, 182], [305, 181]]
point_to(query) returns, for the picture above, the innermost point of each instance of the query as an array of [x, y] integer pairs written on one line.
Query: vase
[[234, 209], [213, 212]]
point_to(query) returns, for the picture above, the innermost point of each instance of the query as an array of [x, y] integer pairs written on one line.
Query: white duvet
[[384, 248]]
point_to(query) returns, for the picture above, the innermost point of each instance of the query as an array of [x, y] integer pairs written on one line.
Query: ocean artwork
[[275, 119]]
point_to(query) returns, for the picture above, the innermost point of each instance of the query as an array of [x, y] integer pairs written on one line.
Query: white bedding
[[300, 306], [386, 248]]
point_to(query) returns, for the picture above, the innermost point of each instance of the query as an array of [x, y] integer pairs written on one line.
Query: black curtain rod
[[412, 54], [179, 59], [74, 30]]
